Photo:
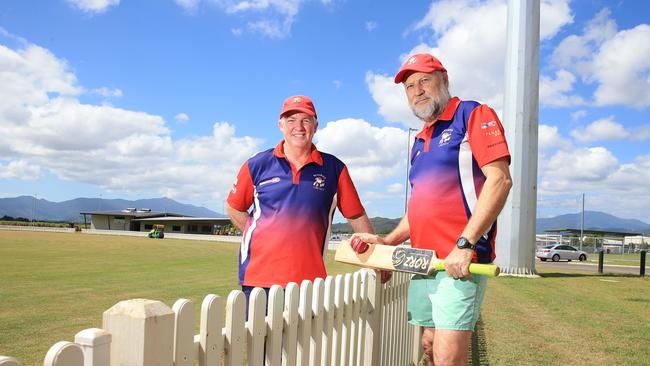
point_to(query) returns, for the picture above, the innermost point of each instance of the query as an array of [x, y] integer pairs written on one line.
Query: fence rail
[[349, 319]]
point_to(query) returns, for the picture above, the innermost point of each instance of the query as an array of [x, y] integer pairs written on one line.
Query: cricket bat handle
[[491, 270]]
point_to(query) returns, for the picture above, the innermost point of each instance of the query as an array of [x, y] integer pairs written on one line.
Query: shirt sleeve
[[486, 136], [347, 198], [241, 194]]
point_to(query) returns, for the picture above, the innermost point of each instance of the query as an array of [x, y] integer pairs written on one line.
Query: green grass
[[631, 259], [53, 285], [35, 223]]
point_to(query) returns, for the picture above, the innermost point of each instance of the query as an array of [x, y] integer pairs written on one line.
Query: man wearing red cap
[[460, 181], [294, 190]]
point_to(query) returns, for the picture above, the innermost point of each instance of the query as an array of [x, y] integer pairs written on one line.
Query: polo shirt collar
[[314, 156], [446, 115]]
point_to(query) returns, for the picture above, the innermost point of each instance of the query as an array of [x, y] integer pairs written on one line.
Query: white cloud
[[619, 189], [476, 70], [272, 18], [182, 117], [371, 26], [552, 91], [623, 64], [390, 97], [549, 137], [372, 154], [395, 188], [45, 127], [617, 62], [93, 6], [642, 133], [585, 164], [189, 5], [108, 93], [20, 169], [579, 114], [601, 130]]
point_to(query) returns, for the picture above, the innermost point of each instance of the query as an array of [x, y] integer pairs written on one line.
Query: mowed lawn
[[53, 285]]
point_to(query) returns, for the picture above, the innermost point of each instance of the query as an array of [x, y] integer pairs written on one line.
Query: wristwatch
[[463, 243]]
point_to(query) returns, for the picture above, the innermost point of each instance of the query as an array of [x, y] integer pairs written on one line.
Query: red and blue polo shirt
[[286, 233], [446, 176]]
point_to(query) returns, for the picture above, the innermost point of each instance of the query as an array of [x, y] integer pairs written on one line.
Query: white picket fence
[[349, 319]]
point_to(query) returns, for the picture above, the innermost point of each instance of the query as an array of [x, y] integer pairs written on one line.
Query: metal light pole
[[408, 166], [582, 221]]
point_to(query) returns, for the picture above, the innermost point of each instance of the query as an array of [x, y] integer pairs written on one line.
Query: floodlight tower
[[515, 245]]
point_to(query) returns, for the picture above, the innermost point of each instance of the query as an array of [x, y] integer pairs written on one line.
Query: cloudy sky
[[140, 99]]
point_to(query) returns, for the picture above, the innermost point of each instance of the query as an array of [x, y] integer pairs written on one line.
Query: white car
[[558, 252]]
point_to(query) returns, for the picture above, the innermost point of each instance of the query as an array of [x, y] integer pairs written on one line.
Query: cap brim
[[401, 75], [298, 109]]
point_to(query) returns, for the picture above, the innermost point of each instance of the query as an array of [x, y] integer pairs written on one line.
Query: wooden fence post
[[183, 332], [64, 354], [143, 333], [373, 324], [235, 331], [210, 333], [96, 346], [256, 327], [8, 361], [274, 325], [304, 323], [316, 345]]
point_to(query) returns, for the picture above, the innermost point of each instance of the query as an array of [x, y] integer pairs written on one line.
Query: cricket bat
[[402, 259]]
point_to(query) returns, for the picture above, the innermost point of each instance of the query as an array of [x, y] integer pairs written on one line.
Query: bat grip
[[491, 270]]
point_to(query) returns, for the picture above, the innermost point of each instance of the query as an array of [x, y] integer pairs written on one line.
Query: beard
[[435, 107]]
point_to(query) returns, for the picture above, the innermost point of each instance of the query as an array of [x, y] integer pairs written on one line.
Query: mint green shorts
[[439, 301]]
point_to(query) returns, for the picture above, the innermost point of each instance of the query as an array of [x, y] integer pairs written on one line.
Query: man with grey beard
[[460, 181]]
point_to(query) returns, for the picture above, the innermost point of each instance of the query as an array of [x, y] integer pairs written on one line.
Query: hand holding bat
[[403, 259]]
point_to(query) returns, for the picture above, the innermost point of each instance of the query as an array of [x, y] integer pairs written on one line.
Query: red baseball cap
[[298, 103], [421, 62]]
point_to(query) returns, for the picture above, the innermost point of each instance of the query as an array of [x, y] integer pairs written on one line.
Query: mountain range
[[594, 220], [69, 211], [41, 209]]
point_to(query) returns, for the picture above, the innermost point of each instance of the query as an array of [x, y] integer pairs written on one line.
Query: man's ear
[[445, 79]]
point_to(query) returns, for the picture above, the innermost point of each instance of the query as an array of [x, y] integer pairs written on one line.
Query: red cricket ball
[[359, 245]]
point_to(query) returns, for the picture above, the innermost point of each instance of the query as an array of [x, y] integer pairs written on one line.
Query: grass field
[[53, 285], [627, 259]]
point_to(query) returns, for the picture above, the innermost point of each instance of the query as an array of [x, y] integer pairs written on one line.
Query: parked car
[[558, 252]]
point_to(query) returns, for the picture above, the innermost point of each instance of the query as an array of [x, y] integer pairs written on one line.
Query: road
[[588, 267]]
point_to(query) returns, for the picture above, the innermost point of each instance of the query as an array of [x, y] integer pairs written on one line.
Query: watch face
[[463, 243]]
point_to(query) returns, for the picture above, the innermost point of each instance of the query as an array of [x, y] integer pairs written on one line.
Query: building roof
[[138, 213], [184, 218], [592, 232]]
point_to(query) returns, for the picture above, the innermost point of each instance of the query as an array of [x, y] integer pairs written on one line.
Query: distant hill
[[594, 220], [42, 209], [382, 225]]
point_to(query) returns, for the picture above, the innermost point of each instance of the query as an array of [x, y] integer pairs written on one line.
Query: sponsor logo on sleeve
[[485, 125]]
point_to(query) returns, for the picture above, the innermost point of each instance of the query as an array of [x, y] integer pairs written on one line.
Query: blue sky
[[140, 99]]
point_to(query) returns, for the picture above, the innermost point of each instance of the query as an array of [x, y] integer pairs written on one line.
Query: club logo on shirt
[[445, 137], [269, 181], [319, 182], [485, 125]]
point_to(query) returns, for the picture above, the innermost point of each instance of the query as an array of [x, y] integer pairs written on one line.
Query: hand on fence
[[385, 276]]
